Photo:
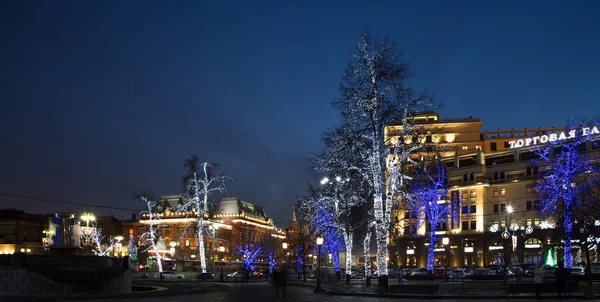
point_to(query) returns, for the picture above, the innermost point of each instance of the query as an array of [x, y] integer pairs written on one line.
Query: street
[[265, 292]]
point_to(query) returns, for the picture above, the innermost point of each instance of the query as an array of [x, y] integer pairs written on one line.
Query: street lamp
[[445, 242], [319, 289], [221, 249], [88, 217], [284, 245]]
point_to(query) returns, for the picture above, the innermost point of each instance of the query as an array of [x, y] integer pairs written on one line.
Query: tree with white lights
[[345, 192], [374, 95], [201, 180], [428, 195], [509, 234], [101, 249], [565, 171], [153, 224]]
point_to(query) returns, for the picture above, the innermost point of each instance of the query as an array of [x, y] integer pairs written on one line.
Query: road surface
[[265, 292]]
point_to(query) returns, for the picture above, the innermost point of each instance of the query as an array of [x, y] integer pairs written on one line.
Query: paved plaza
[[265, 292]]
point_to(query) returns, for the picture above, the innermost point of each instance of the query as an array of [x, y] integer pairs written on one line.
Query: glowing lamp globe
[[445, 241]]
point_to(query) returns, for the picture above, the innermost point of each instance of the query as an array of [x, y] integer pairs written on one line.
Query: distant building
[[22, 232], [233, 222]]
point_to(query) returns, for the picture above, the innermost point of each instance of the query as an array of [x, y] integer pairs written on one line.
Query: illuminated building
[[491, 175], [233, 222]]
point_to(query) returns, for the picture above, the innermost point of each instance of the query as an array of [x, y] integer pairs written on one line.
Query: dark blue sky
[[100, 99]]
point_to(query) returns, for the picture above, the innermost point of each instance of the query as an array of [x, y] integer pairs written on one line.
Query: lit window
[[465, 193], [502, 192], [528, 189], [187, 242], [496, 194], [536, 222], [529, 221], [503, 223], [473, 193]]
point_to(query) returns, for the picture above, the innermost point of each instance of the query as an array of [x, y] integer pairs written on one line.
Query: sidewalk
[[448, 290]]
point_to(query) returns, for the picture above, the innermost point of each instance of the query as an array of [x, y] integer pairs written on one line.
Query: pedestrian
[[279, 281], [538, 279], [561, 279]]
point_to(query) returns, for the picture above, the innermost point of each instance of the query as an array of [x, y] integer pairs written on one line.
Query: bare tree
[[201, 179], [374, 95], [153, 221]]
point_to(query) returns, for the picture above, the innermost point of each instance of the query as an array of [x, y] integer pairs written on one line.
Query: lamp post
[[221, 249], [445, 242], [172, 251], [319, 289]]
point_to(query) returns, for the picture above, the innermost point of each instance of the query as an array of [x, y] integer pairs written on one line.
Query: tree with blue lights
[[271, 261], [565, 169], [249, 252], [428, 195]]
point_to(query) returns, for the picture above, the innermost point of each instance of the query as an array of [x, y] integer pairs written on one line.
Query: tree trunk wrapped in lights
[[151, 236], [373, 96], [249, 253], [201, 180], [428, 196]]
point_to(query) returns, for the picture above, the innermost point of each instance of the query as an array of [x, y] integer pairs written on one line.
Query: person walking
[[279, 281], [561, 279], [538, 279]]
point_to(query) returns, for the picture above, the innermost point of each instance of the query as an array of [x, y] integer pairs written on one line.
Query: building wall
[[489, 178]]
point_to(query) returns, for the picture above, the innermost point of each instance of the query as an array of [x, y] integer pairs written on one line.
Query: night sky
[[103, 98]]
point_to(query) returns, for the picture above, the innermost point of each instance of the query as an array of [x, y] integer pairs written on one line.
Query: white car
[[577, 270], [169, 275], [236, 275]]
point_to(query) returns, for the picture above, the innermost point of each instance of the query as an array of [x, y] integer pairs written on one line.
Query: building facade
[[490, 177], [22, 232], [234, 223]]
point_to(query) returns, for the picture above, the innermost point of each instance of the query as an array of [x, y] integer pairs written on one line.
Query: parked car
[[577, 271], [260, 273], [549, 272], [457, 273], [516, 270], [138, 275], [239, 275], [169, 275], [206, 276], [530, 271]]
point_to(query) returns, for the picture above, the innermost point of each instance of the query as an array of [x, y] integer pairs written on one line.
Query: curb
[[453, 297]]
